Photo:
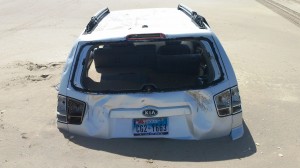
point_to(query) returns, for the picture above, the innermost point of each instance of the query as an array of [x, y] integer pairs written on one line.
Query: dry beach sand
[[262, 41]]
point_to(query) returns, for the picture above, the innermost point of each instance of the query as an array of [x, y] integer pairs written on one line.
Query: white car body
[[190, 114]]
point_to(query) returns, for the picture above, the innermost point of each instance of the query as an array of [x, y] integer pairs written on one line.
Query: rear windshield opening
[[149, 66]]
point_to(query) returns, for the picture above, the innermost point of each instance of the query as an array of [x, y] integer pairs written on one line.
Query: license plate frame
[[150, 126]]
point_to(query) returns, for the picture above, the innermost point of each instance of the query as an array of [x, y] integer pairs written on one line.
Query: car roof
[[169, 21]]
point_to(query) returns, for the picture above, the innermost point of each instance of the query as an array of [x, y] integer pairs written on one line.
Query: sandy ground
[[36, 36]]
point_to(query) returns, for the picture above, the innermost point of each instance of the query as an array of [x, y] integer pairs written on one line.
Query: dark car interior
[[147, 66]]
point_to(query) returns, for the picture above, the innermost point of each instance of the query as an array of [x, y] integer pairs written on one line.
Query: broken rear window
[[148, 66]]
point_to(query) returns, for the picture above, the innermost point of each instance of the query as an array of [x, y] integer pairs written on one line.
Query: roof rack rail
[[198, 19], [95, 20]]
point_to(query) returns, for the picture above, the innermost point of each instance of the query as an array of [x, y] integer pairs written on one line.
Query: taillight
[[75, 110], [61, 108], [228, 102], [235, 100], [70, 110], [223, 103]]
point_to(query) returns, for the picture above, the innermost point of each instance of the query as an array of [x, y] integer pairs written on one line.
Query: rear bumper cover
[[237, 132], [180, 127]]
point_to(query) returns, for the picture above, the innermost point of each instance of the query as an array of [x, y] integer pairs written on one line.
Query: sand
[[263, 46]]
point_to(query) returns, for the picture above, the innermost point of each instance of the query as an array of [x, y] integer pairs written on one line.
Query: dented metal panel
[[192, 114]]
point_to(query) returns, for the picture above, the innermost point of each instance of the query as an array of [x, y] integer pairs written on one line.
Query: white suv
[[149, 73]]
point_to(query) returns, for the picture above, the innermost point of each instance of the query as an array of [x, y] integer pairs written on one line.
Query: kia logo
[[150, 112]]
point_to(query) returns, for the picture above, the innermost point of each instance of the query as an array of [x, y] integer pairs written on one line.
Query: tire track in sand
[[282, 10]]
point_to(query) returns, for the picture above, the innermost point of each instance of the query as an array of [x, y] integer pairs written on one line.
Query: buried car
[[149, 73]]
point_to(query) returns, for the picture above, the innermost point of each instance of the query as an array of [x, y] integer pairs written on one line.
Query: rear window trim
[[85, 90]]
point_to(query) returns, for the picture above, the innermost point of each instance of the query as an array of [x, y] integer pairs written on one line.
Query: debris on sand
[[45, 75], [280, 155], [149, 161], [24, 136], [2, 111]]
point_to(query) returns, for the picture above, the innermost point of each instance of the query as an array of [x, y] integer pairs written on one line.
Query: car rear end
[[150, 85]]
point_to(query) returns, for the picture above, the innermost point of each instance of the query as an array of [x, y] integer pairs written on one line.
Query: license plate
[[150, 126]]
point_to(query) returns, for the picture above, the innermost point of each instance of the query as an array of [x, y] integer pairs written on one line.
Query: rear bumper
[[180, 127], [237, 132]]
